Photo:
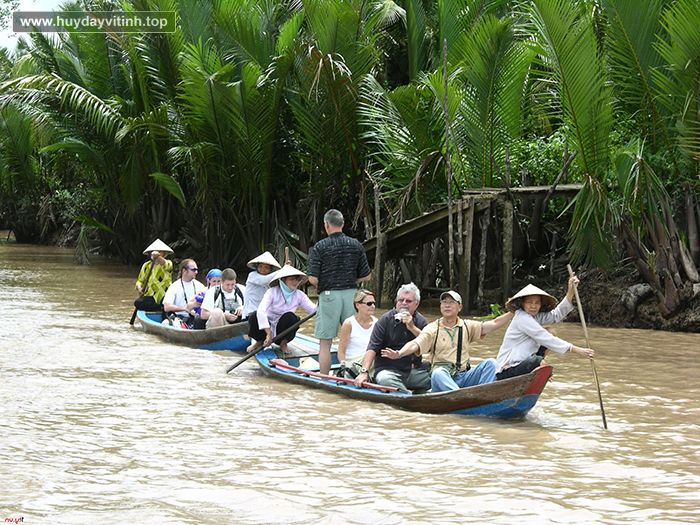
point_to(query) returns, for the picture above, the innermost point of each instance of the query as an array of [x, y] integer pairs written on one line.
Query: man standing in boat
[[445, 344], [336, 265], [394, 329]]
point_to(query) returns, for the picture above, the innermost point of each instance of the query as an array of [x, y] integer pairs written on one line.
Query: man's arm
[[367, 361], [495, 324], [363, 279]]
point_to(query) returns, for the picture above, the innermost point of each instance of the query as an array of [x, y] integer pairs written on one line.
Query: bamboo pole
[[588, 344]]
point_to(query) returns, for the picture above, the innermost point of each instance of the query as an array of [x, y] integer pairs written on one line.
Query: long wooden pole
[[275, 340], [588, 344]]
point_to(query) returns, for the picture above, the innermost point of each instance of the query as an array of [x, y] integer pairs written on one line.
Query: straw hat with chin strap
[[548, 302], [264, 258], [287, 271], [158, 246]]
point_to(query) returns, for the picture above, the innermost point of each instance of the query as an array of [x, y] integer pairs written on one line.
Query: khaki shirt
[[445, 347]]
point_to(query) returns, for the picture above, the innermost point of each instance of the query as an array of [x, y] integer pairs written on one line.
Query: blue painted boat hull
[[233, 337]]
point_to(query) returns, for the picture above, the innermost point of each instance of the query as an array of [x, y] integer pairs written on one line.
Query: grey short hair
[[334, 218], [229, 274], [410, 287]]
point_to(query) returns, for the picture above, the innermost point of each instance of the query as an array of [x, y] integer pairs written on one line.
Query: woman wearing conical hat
[[258, 281], [275, 313], [155, 277], [533, 308]]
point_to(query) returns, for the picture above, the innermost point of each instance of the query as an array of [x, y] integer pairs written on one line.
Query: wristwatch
[[363, 370]]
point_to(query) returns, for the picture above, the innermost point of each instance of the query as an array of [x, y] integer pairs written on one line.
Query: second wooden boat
[[233, 337]]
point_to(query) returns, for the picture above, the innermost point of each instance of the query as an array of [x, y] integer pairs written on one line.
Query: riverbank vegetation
[[239, 129]]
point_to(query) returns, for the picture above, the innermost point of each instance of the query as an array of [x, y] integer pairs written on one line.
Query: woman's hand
[[268, 338], [583, 352], [571, 290]]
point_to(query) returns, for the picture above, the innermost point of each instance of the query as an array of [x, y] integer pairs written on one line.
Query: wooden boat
[[507, 399], [233, 337]]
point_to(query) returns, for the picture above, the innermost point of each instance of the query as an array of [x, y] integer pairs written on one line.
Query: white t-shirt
[[179, 293], [231, 300]]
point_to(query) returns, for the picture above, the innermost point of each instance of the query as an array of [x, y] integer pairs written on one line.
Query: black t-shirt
[[338, 261], [388, 333]]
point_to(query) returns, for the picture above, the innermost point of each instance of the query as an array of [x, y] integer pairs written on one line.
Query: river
[[103, 423]]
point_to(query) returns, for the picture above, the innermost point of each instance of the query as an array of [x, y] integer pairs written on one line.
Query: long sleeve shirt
[[158, 281], [273, 306], [525, 335], [255, 287]]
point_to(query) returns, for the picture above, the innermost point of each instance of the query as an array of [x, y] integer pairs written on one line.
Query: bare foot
[[284, 348], [253, 346]]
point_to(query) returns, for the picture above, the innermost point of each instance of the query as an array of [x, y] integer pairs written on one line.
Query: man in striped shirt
[[336, 265]]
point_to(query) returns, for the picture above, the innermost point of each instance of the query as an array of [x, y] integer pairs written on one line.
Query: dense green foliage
[[255, 116]]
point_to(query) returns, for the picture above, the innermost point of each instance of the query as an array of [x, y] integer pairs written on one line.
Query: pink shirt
[[272, 307]]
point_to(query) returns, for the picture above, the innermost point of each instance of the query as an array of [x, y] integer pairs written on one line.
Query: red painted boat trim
[[542, 375], [281, 363]]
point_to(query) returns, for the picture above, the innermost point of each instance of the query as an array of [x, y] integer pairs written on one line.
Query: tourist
[[355, 332], [392, 331], [336, 265], [223, 304], [445, 344], [180, 299], [213, 278]]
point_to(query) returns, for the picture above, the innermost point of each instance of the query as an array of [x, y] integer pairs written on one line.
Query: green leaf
[[89, 221], [169, 184]]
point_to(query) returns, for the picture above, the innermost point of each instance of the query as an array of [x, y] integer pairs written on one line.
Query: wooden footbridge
[[475, 208]]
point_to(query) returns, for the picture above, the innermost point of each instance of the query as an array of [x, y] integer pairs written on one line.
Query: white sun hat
[[548, 301], [158, 246], [264, 258], [287, 271]]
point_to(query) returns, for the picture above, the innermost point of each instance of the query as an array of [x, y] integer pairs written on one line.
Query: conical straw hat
[[264, 258], [157, 246], [287, 271], [548, 302]]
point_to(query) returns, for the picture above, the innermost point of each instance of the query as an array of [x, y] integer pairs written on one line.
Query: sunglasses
[[193, 269], [368, 303]]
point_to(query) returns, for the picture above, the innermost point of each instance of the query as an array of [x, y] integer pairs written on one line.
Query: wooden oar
[[588, 344], [275, 340]]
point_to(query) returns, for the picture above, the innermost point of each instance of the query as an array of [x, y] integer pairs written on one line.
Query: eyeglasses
[[193, 269], [368, 303], [407, 301], [449, 302]]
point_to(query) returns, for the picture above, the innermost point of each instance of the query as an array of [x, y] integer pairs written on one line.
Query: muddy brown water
[[103, 423]]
